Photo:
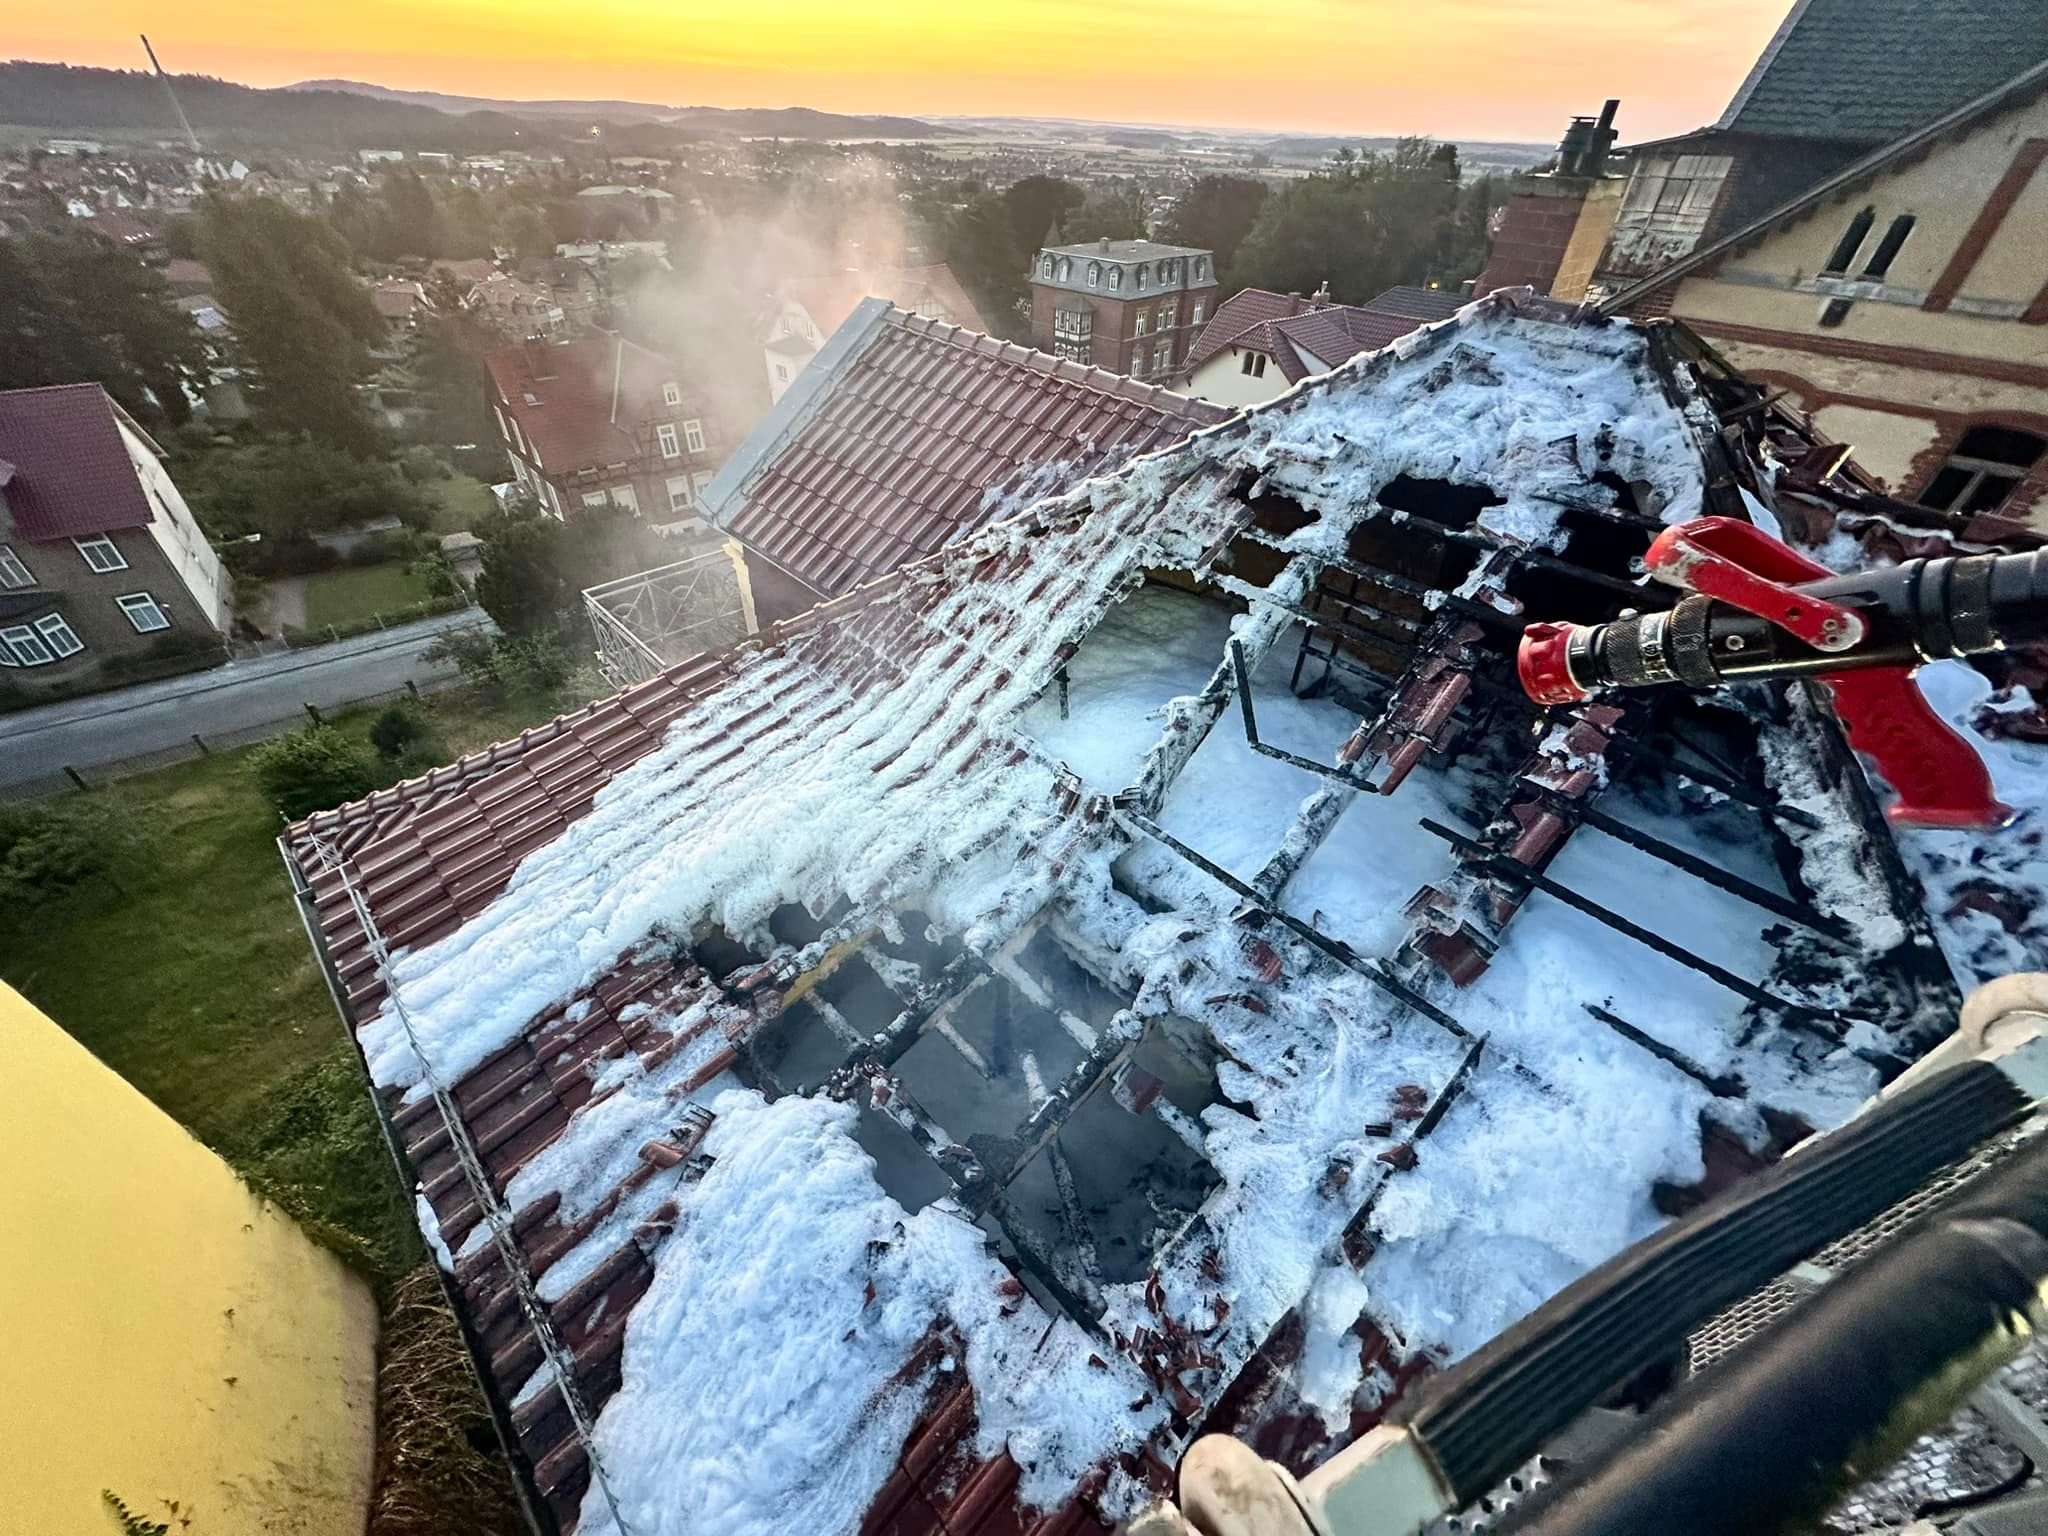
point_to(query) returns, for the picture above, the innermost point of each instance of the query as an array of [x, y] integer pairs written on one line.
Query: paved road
[[106, 727]]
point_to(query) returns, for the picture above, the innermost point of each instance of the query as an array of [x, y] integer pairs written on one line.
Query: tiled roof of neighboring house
[[399, 298], [906, 433], [502, 291], [1867, 71], [2013, 93], [829, 299], [72, 475], [562, 396], [849, 826], [1273, 322], [474, 270], [1418, 303], [188, 276]]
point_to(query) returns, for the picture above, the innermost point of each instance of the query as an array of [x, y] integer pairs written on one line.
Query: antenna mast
[[183, 121]]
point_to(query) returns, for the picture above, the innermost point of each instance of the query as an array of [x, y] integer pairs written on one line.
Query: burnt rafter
[[1792, 911], [1507, 869], [1721, 1085]]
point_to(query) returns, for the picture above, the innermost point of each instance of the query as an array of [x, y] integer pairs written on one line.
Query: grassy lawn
[[461, 500], [353, 593], [189, 973]]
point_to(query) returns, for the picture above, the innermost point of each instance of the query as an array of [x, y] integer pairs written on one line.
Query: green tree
[[1363, 223], [524, 582], [450, 368], [1215, 214], [314, 769], [290, 488], [75, 309], [523, 230], [302, 321], [1114, 212], [980, 245], [1037, 206]]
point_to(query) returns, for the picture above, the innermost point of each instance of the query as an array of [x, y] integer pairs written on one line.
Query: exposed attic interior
[[1160, 913]]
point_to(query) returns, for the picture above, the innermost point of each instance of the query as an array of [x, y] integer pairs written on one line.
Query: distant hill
[[747, 122], [348, 115], [130, 103], [441, 101]]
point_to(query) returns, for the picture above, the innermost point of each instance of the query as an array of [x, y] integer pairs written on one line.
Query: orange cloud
[[1458, 68]]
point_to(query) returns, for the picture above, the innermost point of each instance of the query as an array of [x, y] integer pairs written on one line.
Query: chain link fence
[[69, 780]]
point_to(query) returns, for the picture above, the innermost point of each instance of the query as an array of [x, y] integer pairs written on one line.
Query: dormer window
[[1116, 277], [1094, 274], [1201, 266], [1066, 269], [1138, 274], [671, 393], [1045, 267]]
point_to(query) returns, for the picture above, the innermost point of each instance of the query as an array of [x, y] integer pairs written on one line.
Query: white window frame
[[101, 554], [782, 373], [1144, 323], [13, 574], [665, 434], [14, 643], [139, 606], [680, 497], [693, 435], [59, 636], [596, 499], [671, 393], [1195, 318]]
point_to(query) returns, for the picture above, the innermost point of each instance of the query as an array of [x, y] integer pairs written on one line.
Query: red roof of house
[[1267, 322], [926, 435], [830, 298], [399, 298], [71, 473], [561, 396]]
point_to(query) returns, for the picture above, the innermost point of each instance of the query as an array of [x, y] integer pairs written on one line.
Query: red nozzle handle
[[1940, 779]]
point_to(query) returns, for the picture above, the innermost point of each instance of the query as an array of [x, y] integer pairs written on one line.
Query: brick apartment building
[[603, 421], [1131, 306]]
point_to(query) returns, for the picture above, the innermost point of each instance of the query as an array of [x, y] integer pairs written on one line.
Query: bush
[[383, 547], [48, 850], [314, 769], [421, 464], [533, 666], [393, 731], [292, 555]]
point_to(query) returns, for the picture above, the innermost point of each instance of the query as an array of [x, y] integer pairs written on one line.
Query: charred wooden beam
[[1266, 749], [1734, 789], [1757, 895], [1722, 1086], [1333, 949], [1508, 869]]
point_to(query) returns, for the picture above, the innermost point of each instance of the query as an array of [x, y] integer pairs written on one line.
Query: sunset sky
[[1501, 69]]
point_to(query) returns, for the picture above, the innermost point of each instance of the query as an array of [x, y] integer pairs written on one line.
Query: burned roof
[[71, 475], [1868, 71], [907, 433], [1141, 969]]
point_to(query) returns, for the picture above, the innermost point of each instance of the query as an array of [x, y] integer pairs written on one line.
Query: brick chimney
[[540, 360], [1545, 210]]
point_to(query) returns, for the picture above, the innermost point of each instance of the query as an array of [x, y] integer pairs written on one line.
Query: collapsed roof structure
[[1144, 969]]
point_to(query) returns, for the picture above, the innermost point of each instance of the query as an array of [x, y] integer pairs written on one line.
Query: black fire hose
[[1826, 1398]]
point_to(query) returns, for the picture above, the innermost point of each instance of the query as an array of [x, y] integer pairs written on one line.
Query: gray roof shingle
[[1868, 71]]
